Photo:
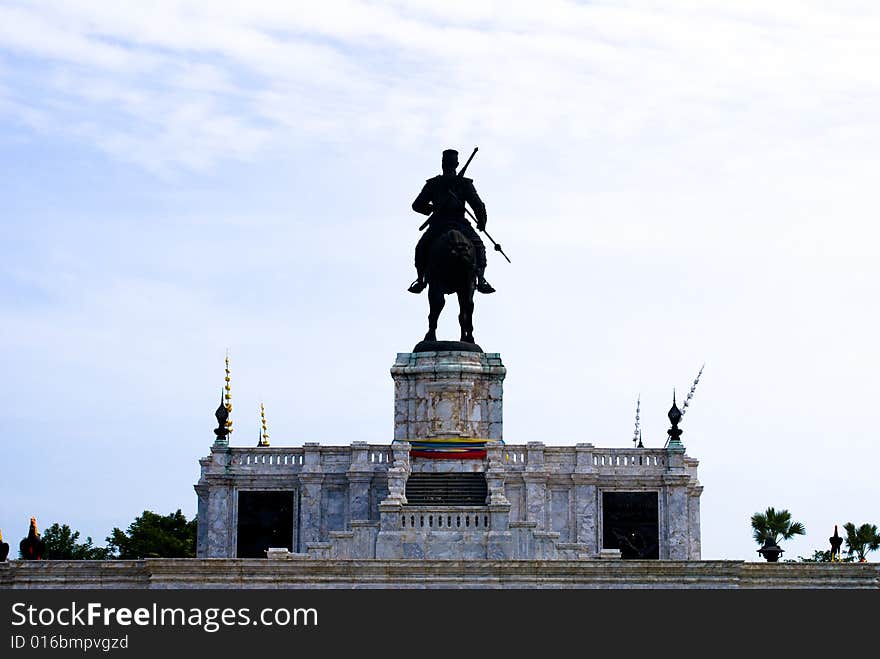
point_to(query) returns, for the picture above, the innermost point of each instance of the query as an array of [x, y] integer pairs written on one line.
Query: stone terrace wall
[[308, 573], [558, 488]]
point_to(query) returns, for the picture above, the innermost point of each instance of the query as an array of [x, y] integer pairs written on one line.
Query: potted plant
[[768, 527], [861, 540]]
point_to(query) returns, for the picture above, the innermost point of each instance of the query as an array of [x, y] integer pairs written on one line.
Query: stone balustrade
[[380, 455], [561, 459], [634, 459], [259, 458], [272, 460], [449, 518], [515, 457]]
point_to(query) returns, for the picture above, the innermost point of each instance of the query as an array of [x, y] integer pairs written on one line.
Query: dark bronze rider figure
[[443, 198]]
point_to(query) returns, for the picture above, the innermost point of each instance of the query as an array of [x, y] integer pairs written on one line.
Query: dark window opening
[[630, 524], [265, 519]]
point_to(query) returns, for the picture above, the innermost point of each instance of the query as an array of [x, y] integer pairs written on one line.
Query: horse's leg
[[437, 300], [466, 314]]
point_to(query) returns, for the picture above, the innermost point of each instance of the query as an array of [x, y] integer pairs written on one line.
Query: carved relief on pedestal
[[449, 409]]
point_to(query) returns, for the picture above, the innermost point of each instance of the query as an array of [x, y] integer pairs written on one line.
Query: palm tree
[[861, 540], [771, 525]]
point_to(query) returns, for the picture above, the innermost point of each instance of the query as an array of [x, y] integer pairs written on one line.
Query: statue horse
[[452, 269]]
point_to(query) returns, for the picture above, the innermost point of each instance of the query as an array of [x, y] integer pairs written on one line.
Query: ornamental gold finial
[[227, 395], [264, 430], [1, 535]]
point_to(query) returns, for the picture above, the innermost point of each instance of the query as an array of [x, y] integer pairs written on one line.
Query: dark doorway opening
[[630, 523], [265, 519]]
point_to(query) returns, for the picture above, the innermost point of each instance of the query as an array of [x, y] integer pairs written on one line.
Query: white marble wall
[[546, 500], [558, 489]]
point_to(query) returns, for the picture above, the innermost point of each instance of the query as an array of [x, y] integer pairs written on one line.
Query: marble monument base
[[448, 393]]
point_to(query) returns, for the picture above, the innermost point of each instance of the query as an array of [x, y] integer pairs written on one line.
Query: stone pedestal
[[447, 394]]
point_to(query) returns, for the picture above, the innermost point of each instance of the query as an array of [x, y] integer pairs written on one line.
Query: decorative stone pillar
[[495, 476], [676, 481], [499, 543], [221, 531], [389, 540], [694, 493], [448, 394], [536, 484], [398, 474], [202, 492], [585, 498], [216, 533], [311, 480], [359, 477]]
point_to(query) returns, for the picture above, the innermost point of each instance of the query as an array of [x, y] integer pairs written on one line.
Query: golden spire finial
[[1, 535], [264, 430], [34, 526], [227, 394]]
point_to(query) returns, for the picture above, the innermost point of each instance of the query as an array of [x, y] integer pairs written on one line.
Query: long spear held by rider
[[460, 175]]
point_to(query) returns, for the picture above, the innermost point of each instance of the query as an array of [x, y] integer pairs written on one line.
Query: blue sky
[[676, 183]]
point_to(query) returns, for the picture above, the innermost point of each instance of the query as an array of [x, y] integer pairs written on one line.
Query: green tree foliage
[[775, 525], [820, 556], [861, 540], [61, 544], [154, 536]]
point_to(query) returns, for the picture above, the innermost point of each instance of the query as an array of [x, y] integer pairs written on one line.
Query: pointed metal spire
[[228, 396], [637, 432], [224, 411], [687, 401], [264, 430]]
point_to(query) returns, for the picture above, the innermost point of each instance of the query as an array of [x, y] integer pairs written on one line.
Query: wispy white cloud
[[213, 81]]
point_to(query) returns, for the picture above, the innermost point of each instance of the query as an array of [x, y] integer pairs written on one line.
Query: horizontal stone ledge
[[335, 573], [411, 370], [572, 545]]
